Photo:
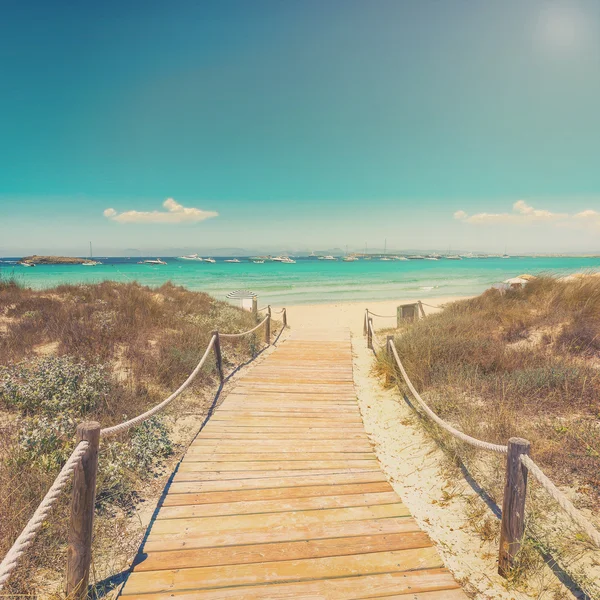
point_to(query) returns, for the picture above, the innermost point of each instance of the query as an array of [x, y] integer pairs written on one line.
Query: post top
[[517, 441], [88, 425]]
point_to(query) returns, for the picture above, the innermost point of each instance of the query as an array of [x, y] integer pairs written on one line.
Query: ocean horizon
[[308, 281]]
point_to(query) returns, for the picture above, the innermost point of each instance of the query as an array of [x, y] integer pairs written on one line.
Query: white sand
[[351, 314]]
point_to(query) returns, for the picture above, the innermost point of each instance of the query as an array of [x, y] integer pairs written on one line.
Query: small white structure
[[247, 299]]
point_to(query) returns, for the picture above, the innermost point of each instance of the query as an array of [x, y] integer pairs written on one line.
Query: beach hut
[[247, 299]]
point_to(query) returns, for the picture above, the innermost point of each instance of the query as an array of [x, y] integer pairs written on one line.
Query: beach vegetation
[[103, 352], [523, 363]]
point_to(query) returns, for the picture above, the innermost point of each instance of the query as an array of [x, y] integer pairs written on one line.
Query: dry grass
[[524, 363], [148, 341]]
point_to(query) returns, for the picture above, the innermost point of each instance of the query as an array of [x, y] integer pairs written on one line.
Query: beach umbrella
[[241, 294]]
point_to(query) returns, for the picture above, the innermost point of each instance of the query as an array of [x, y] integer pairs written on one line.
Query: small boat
[[288, 261], [210, 260], [91, 262], [258, 262], [329, 257], [190, 257], [386, 259], [26, 264], [453, 257], [281, 258], [232, 260], [431, 258], [156, 261], [416, 257], [350, 259]]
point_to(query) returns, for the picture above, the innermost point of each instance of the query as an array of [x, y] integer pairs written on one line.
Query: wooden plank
[[199, 525], [222, 475], [272, 552], [292, 465], [405, 585], [289, 446], [237, 434], [271, 535], [254, 507], [299, 480], [245, 495], [200, 455], [279, 571]]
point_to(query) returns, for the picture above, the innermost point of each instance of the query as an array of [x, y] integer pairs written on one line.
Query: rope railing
[[443, 424], [82, 508], [381, 316], [239, 335], [11, 560], [561, 499], [115, 429], [518, 464]]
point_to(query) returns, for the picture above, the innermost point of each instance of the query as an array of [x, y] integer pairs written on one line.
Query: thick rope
[[39, 516], [451, 430], [374, 338], [429, 305], [238, 335], [561, 499], [381, 316], [108, 431]]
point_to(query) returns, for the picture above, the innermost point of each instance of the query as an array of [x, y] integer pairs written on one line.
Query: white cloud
[[523, 213], [174, 213]]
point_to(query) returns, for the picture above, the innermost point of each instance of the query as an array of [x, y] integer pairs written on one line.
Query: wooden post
[[254, 306], [513, 505], [218, 356], [398, 316], [284, 318], [268, 328], [366, 322], [370, 334], [79, 552], [421, 309], [390, 338]]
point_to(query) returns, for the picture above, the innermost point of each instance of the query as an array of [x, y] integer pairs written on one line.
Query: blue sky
[[301, 123]]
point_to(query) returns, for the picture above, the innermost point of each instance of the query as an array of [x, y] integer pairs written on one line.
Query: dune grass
[[524, 363], [105, 352]]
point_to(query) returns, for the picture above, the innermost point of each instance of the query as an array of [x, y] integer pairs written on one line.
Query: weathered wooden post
[[370, 333], [366, 322], [268, 326], [513, 505], [421, 309], [254, 306], [398, 316], [389, 340], [79, 552], [218, 356], [284, 318]]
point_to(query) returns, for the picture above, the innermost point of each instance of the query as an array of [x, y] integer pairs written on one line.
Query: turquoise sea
[[309, 280]]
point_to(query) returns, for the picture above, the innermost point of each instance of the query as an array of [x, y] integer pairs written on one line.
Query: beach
[[351, 314]]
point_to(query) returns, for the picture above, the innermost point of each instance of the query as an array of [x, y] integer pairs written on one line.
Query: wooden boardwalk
[[281, 496]]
